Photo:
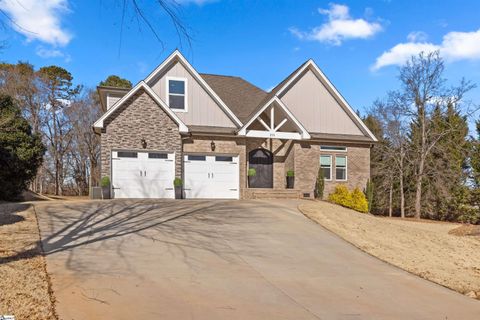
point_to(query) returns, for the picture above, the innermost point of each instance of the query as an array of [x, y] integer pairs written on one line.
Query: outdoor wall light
[[144, 143], [212, 145]]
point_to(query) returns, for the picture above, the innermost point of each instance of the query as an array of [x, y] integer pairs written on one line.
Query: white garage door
[[214, 177], [143, 174]]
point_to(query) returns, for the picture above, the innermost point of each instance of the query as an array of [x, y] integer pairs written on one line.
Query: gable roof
[[304, 133], [177, 56], [310, 64], [99, 124], [241, 96], [273, 92]]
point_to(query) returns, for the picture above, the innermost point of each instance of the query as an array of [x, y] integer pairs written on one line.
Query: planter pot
[[178, 193], [290, 182], [105, 192], [250, 181]]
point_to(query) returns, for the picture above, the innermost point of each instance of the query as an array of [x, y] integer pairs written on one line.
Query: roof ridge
[[219, 75]]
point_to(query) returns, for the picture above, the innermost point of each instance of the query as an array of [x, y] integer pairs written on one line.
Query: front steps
[[273, 193]]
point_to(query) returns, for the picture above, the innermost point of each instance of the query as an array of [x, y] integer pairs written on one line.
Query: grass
[[445, 253], [24, 283]]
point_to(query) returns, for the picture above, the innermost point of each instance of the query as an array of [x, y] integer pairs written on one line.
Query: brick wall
[[307, 163], [140, 118]]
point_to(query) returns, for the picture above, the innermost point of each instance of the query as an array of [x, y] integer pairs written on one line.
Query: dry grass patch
[[425, 249], [24, 289]]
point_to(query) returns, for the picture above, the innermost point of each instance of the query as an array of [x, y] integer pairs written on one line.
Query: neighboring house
[[209, 129]]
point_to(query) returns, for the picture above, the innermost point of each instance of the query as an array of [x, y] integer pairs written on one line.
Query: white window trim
[[167, 87], [331, 165], [333, 150], [346, 168]]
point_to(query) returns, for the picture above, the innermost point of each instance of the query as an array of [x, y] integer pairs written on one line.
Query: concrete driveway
[[166, 259]]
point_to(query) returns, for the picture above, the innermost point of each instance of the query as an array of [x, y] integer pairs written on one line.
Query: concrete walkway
[[166, 259]]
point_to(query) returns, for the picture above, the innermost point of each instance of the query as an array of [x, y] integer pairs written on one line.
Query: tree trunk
[[418, 193], [402, 198], [402, 193], [421, 164], [390, 200]]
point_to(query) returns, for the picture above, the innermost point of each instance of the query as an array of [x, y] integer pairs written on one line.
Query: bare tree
[[423, 92], [84, 152], [396, 147], [58, 92]]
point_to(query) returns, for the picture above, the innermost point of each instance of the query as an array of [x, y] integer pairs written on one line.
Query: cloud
[[38, 19], [340, 27], [454, 46], [416, 36], [51, 53]]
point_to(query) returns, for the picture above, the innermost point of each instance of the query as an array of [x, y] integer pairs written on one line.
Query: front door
[[262, 161]]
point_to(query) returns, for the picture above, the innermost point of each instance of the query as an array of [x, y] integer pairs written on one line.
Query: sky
[[359, 45]]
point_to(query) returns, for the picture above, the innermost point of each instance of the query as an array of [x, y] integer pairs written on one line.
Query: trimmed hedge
[[355, 200]]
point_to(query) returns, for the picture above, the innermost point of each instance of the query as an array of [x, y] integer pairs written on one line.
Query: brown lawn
[[24, 289], [445, 253]]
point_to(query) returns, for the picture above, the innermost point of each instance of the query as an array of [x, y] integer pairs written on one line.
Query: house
[[210, 129]]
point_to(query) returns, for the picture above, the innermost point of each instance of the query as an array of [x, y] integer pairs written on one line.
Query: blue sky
[[358, 44]]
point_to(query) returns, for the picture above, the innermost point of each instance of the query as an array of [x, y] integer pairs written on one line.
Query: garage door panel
[[141, 176], [213, 177]]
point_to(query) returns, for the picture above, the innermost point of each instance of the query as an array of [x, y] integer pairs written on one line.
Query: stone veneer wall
[[307, 163], [140, 118]]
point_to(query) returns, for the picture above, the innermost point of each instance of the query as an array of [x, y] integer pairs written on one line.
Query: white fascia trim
[[186, 64], [141, 85], [304, 133], [276, 135], [312, 64]]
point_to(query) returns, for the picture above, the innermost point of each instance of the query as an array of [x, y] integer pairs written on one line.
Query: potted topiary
[[105, 184], [290, 179], [178, 184], [251, 173]]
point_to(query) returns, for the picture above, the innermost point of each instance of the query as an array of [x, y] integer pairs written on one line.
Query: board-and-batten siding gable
[[202, 110], [315, 107]]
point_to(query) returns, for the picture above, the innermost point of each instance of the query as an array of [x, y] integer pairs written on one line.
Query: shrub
[[105, 182], [355, 200], [177, 182], [21, 151], [369, 194], [320, 184], [359, 201], [341, 196], [252, 172], [290, 173]]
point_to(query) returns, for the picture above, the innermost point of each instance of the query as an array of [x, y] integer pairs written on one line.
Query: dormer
[[110, 95]]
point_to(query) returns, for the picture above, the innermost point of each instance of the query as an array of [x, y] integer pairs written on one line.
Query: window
[[154, 155], [223, 158], [326, 165], [196, 158], [340, 167], [176, 92], [333, 148], [125, 154]]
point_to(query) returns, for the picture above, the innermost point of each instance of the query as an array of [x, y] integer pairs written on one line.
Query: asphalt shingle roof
[[239, 95]]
